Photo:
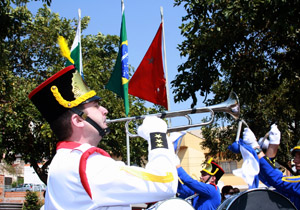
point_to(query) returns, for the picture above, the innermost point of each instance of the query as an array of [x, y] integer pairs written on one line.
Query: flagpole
[[127, 136], [165, 61], [128, 149], [80, 52]]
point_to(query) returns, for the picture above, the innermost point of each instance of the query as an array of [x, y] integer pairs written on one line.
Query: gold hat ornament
[[61, 92], [213, 169]]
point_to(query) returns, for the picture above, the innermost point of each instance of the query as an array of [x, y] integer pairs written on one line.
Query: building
[[30, 176], [14, 172], [18, 172]]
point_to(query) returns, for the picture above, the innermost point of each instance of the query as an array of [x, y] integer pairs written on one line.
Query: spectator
[[236, 190], [227, 191]]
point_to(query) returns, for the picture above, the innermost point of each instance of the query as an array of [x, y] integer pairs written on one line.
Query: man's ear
[[76, 120]]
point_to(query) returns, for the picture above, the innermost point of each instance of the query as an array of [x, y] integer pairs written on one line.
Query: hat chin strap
[[208, 178], [102, 132]]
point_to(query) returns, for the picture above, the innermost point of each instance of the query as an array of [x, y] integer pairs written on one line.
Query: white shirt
[[112, 184]]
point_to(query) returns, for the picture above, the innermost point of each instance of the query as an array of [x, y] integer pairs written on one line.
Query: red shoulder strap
[[214, 185], [82, 167]]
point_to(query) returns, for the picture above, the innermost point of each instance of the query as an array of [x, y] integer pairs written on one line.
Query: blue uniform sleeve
[[183, 191], [274, 176], [204, 190]]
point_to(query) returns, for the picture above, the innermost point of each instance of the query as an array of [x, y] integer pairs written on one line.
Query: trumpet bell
[[230, 106]]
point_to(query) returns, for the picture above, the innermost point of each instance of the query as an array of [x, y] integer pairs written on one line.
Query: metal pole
[[128, 149], [165, 61], [127, 136]]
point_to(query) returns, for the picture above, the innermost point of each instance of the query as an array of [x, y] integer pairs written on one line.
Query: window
[[228, 166]]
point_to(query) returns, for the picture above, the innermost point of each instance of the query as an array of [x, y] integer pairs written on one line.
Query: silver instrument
[[230, 106]]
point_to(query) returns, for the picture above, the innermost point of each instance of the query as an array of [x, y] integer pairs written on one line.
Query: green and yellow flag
[[119, 79]]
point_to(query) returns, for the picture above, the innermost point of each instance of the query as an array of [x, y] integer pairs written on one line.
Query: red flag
[[148, 81]]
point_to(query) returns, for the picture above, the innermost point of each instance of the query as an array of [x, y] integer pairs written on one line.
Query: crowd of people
[[83, 176]]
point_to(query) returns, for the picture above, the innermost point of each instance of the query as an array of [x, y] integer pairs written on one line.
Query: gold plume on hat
[[64, 49]]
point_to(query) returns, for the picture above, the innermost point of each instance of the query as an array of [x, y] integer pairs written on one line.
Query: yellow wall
[[190, 154]]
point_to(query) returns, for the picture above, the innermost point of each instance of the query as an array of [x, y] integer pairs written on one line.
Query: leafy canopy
[[251, 47]]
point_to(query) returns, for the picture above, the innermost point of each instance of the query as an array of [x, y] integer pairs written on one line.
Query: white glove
[[274, 135], [265, 144], [249, 138], [151, 124]]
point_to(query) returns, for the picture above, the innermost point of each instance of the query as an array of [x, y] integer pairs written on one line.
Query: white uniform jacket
[[81, 178]]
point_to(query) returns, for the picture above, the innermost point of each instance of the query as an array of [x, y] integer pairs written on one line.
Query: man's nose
[[103, 110]]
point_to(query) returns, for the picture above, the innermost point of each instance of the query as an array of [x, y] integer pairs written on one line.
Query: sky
[[142, 21]]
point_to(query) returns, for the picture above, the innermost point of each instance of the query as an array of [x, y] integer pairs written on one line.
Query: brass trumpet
[[230, 106]]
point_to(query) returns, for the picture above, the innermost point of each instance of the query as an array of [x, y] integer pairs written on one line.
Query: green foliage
[[32, 201], [218, 139], [20, 180], [251, 47], [29, 56], [14, 184]]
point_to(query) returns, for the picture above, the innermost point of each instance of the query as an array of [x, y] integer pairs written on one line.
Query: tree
[[29, 57], [251, 47], [32, 201], [9, 22]]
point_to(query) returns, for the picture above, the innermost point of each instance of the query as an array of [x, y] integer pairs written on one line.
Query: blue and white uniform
[[287, 186], [209, 197]]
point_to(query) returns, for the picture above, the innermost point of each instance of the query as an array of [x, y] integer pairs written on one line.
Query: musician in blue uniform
[[208, 193], [271, 176]]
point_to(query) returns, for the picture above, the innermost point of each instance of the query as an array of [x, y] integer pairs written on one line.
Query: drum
[[172, 204], [256, 199]]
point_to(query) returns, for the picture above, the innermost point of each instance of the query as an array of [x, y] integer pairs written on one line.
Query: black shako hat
[[213, 169], [61, 92]]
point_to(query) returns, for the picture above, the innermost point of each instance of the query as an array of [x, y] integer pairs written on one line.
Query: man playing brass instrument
[[83, 176]]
